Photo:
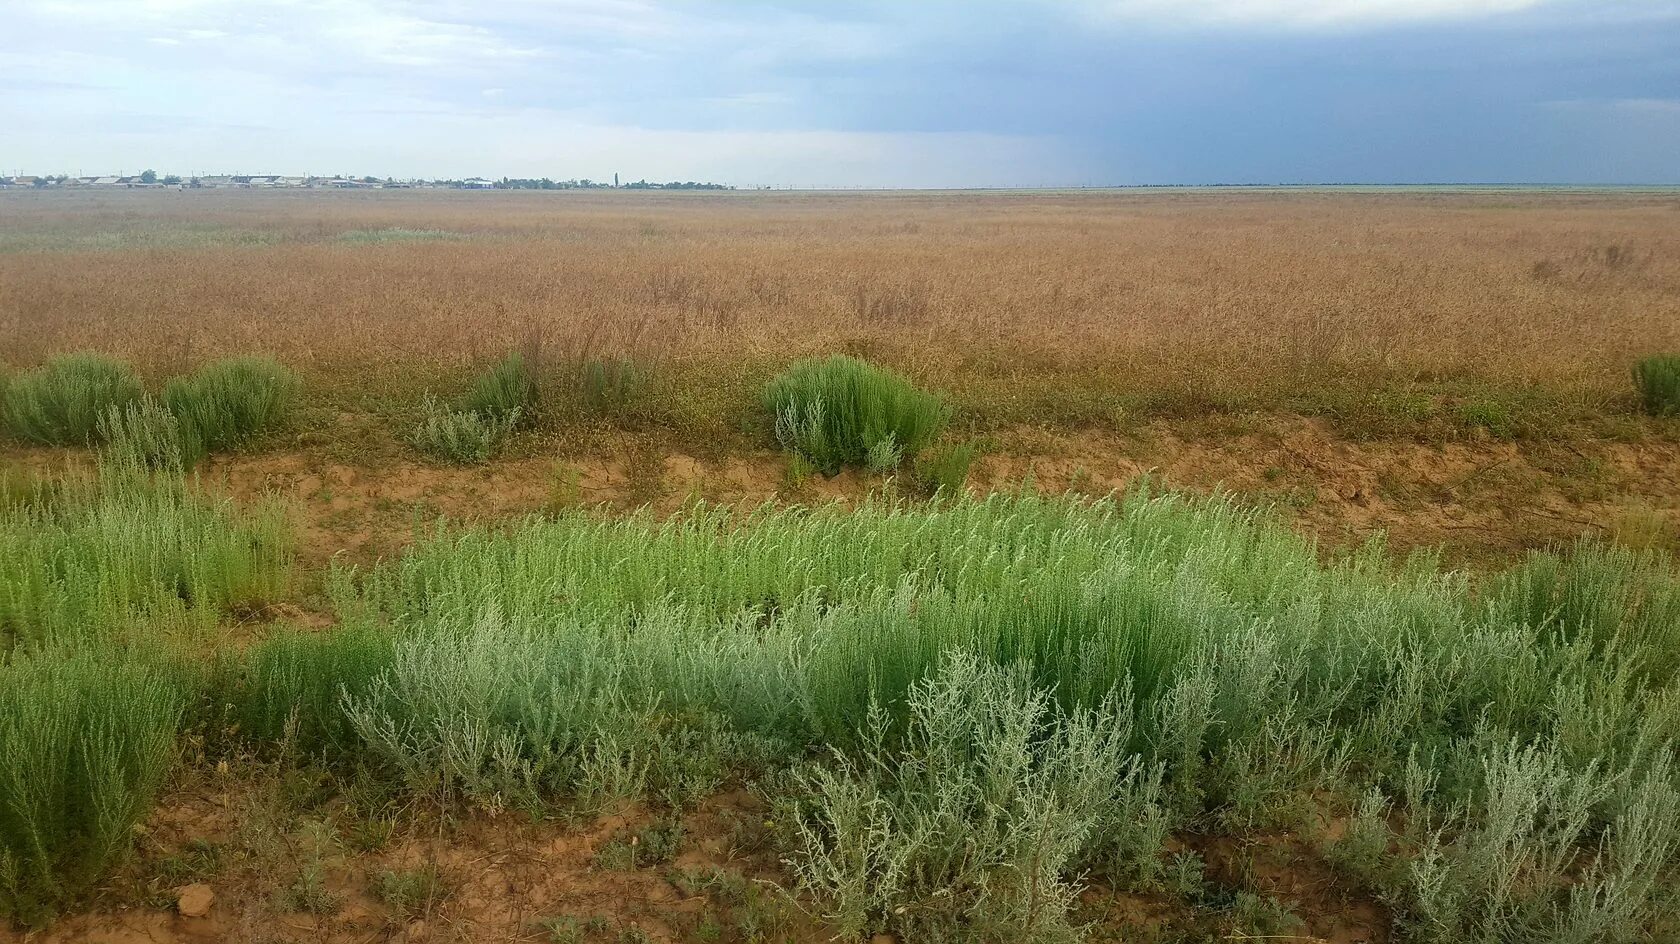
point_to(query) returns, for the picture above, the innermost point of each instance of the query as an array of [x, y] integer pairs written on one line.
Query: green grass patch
[[226, 403], [960, 713], [60, 403], [1658, 381], [93, 560], [843, 411], [86, 738], [508, 389]]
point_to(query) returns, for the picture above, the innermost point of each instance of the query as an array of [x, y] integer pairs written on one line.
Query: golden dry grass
[[1257, 296]]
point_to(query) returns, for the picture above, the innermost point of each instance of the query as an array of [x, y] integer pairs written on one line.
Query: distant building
[[478, 183]]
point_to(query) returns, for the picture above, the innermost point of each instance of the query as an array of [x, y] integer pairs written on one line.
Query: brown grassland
[[1449, 368]]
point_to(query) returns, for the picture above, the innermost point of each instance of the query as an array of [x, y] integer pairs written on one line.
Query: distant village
[[152, 180]]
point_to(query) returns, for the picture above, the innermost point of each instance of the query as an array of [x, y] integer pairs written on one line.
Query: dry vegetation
[[1176, 300]]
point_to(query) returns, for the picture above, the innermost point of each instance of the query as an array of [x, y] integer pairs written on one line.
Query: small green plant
[[309, 892], [842, 411], [653, 844], [410, 893], [1488, 414], [85, 741], [460, 436], [944, 469], [609, 385], [509, 389], [61, 402], [225, 403], [1658, 380], [563, 930], [144, 435], [474, 429]]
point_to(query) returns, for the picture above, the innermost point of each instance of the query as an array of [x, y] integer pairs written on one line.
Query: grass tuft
[[505, 390], [843, 411], [227, 402], [1658, 380], [60, 403], [944, 469], [85, 742]]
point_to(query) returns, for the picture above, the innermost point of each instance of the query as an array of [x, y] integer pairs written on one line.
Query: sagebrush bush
[[132, 548], [85, 742], [944, 469], [144, 435], [60, 403], [460, 436], [1658, 380], [985, 802], [505, 391], [842, 411], [227, 402]]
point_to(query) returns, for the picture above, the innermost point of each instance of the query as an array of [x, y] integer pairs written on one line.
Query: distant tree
[[172, 180], [148, 176], [370, 180]]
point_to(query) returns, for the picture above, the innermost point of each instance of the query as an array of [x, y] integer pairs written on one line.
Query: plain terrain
[[1446, 372]]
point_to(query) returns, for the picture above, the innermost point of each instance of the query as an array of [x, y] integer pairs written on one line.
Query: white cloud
[[1309, 14]]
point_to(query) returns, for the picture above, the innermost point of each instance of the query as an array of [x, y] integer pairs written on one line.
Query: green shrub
[[503, 392], [227, 402], [968, 824], [144, 435], [1658, 379], [843, 411], [460, 436], [85, 741], [61, 402], [93, 559], [609, 385], [410, 893], [945, 469]]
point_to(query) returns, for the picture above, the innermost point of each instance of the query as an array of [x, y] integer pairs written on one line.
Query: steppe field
[[1109, 566]]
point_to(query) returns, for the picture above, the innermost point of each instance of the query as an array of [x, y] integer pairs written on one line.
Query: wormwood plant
[[144, 435], [129, 548], [227, 402], [1658, 380], [60, 403], [475, 429], [85, 741], [966, 825], [842, 411], [460, 436]]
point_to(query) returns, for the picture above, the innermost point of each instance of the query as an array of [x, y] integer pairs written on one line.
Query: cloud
[[867, 92], [1311, 14]]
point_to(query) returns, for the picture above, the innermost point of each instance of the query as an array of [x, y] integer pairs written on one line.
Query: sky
[[874, 93]]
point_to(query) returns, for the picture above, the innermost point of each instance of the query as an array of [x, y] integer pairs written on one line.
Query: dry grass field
[[644, 675], [1451, 367], [1251, 298]]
